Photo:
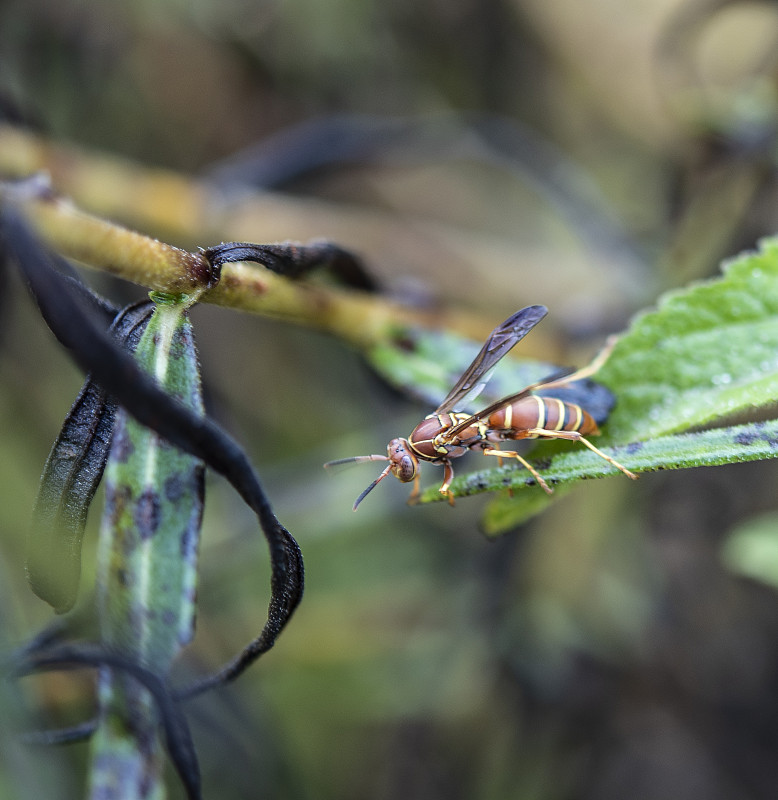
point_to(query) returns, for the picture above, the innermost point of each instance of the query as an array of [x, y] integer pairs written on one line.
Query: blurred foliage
[[603, 651], [752, 548]]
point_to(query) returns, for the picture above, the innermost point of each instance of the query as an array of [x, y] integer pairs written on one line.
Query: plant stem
[[147, 564], [358, 318]]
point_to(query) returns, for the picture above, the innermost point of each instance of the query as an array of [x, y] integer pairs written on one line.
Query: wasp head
[[403, 464], [402, 461]]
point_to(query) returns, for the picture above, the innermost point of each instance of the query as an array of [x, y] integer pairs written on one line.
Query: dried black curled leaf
[[116, 371], [176, 734], [296, 260], [70, 478]]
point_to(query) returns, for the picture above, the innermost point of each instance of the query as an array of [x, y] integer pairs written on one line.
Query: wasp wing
[[500, 341], [451, 433]]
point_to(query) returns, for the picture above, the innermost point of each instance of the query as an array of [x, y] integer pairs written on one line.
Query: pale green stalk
[[147, 564]]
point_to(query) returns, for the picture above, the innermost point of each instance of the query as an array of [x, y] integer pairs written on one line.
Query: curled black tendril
[[72, 735], [115, 370], [296, 260], [175, 729], [73, 471]]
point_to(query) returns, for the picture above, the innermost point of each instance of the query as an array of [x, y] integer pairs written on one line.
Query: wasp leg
[[498, 453], [414, 496], [513, 454], [577, 437], [448, 476], [499, 463], [589, 369]]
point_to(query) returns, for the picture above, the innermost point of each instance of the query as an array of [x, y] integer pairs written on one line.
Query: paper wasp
[[447, 434]]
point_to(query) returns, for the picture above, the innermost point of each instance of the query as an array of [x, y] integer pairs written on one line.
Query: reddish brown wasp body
[[446, 434]]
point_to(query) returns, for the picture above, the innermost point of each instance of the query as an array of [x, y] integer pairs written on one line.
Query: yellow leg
[[589, 369], [498, 453], [513, 454], [499, 464], [574, 436], [414, 496], [448, 476]]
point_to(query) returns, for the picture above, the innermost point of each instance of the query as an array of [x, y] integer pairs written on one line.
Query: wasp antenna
[[355, 460], [371, 487]]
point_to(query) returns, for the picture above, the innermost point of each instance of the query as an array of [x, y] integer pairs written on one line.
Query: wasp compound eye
[[405, 469]]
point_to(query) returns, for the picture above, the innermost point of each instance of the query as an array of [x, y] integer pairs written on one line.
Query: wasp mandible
[[447, 434]]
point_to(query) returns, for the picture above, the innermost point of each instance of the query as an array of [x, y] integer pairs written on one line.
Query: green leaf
[[752, 442], [705, 353]]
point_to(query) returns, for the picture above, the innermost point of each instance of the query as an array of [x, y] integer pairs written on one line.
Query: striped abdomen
[[428, 440], [545, 413]]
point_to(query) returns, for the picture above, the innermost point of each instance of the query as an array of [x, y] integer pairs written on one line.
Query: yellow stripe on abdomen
[[541, 423], [578, 420], [508, 412]]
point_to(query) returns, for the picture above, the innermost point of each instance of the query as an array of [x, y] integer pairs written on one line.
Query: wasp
[[446, 434]]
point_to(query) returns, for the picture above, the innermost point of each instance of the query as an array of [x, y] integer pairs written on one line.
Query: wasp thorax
[[403, 463], [424, 438]]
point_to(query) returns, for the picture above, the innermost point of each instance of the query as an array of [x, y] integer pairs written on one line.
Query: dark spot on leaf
[[122, 577], [168, 617], [128, 540], [147, 513], [633, 447], [110, 497], [116, 500], [747, 437], [122, 447], [174, 488], [189, 541], [176, 350]]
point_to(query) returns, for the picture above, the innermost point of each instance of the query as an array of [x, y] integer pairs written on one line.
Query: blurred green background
[[585, 155]]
